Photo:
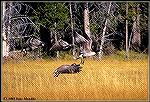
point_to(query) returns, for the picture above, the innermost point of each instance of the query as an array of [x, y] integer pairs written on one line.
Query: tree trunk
[[87, 24], [103, 35], [135, 38], [73, 43], [56, 40], [6, 31], [127, 48], [5, 53]]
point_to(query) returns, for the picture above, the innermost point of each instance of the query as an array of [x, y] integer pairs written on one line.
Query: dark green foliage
[[47, 13], [51, 12], [133, 12]]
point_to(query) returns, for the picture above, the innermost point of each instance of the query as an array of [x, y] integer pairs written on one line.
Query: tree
[[144, 25], [104, 31], [135, 36], [7, 29], [4, 32], [87, 25], [141, 25], [72, 31], [53, 15], [127, 48]]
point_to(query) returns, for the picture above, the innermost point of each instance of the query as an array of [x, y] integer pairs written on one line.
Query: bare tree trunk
[[73, 43], [138, 28], [6, 29], [127, 48], [56, 40], [5, 46], [103, 35], [10, 36], [135, 37], [87, 24]]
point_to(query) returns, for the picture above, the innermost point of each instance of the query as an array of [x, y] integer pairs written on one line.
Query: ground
[[106, 79]]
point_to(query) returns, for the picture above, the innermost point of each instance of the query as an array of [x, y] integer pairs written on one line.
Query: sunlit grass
[[106, 79]]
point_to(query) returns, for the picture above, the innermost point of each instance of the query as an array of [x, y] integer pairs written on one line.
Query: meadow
[[106, 79]]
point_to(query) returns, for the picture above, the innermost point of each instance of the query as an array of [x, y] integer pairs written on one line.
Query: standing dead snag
[[7, 15], [5, 44], [87, 25], [136, 40], [135, 37], [56, 40], [127, 48], [87, 46], [104, 31], [73, 42]]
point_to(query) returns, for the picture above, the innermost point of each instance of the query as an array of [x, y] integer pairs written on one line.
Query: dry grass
[[107, 79]]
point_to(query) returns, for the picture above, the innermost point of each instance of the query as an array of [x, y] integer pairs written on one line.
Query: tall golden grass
[[108, 79]]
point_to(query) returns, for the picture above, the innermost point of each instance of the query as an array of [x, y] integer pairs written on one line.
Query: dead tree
[[87, 46], [56, 41], [7, 14], [103, 34], [15, 26], [127, 48], [73, 42], [4, 36], [135, 37], [87, 25]]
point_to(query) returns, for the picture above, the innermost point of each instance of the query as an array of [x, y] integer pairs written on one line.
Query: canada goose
[[31, 44], [85, 50], [69, 69], [60, 45]]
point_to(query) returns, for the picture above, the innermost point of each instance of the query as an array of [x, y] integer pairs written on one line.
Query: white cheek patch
[[42, 44], [24, 50], [81, 56]]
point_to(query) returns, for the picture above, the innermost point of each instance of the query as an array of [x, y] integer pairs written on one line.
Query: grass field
[[108, 79]]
